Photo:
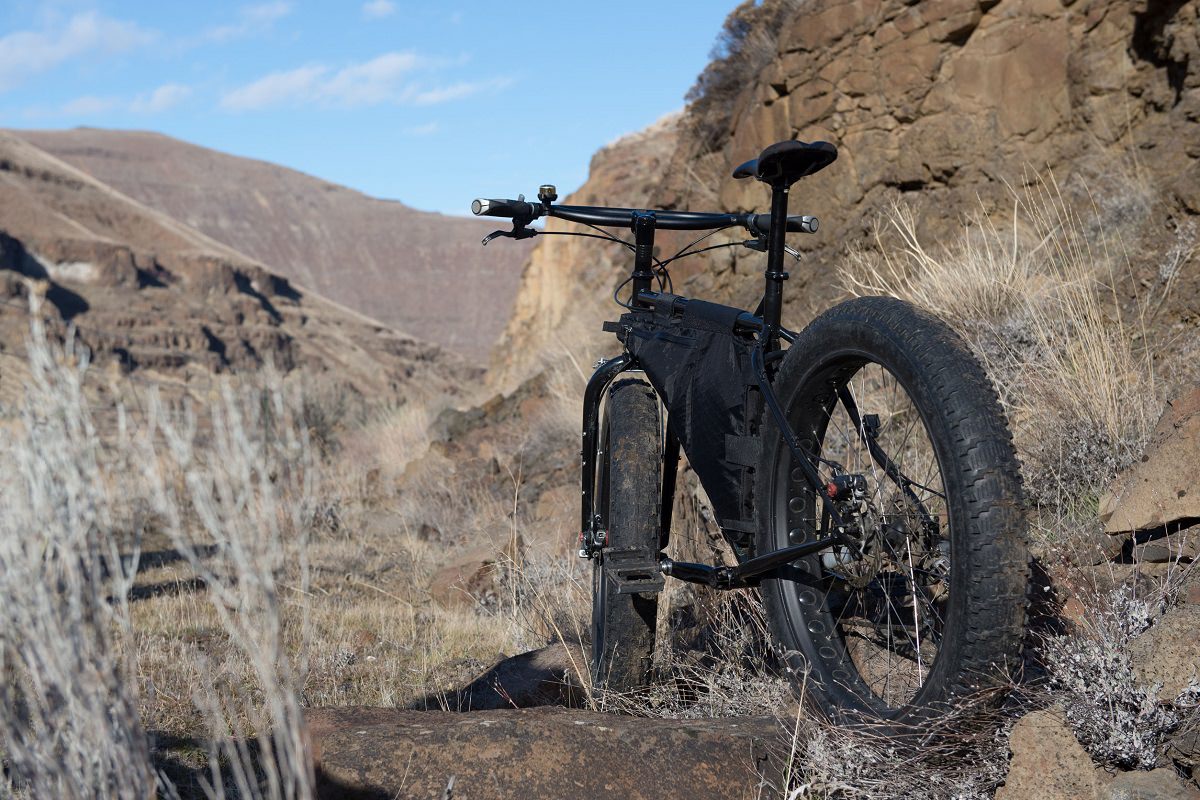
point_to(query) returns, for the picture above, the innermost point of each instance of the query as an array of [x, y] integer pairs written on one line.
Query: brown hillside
[[941, 104], [379, 257], [147, 294]]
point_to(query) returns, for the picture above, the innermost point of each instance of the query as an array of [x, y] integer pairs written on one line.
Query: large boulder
[[1048, 763], [1158, 784], [369, 753], [1169, 652], [1164, 487]]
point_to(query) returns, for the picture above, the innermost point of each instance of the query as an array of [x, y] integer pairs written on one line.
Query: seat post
[[776, 241]]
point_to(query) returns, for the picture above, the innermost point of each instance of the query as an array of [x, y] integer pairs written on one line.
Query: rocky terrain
[[960, 111], [378, 257], [947, 104], [152, 297], [442, 579]]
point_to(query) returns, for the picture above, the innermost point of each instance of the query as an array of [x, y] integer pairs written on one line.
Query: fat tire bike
[[861, 470]]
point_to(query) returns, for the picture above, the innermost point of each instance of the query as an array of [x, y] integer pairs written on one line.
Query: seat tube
[[643, 260], [773, 294]]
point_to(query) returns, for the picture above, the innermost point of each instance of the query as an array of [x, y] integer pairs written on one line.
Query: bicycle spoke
[[886, 613]]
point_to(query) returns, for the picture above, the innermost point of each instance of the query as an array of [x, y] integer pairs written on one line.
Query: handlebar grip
[[803, 224], [796, 224], [510, 209]]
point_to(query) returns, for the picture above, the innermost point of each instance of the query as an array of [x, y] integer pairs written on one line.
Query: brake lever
[[519, 231], [760, 244]]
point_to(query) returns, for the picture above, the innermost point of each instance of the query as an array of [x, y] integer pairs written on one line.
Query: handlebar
[[524, 212], [512, 209]]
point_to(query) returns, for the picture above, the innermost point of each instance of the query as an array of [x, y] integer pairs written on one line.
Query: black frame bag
[[701, 367]]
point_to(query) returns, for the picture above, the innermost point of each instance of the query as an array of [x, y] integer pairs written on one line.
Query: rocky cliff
[[567, 283], [150, 295], [379, 257], [946, 104]]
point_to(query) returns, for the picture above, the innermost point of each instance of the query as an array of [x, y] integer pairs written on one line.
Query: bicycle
[[861, 470]]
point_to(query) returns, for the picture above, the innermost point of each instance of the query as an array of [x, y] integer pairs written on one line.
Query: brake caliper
[[861, 560]]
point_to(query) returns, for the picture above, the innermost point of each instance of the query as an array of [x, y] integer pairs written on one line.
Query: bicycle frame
[[768, 330]]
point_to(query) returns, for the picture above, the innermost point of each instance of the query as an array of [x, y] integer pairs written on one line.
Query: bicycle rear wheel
[[926, 601]]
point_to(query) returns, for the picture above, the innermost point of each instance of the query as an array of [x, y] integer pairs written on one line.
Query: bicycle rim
[[871, 613]]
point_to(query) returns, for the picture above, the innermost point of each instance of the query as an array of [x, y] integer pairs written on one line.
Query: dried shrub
[[1035, 299], [747, 43], [229, 487], [239, 510], [69, 723], [964, 764], [1119, 720], [716, 661]]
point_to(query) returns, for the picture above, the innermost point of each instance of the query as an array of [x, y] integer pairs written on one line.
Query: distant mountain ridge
[[379, 257], [147, 295]]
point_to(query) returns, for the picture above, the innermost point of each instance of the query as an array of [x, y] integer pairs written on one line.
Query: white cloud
[[266, 13], [428, 129], [250, 20], [370, 83], [161, 99], [24, 54], [278, 88], [455, 91], [89, 105], [378, 9], [384, 79]]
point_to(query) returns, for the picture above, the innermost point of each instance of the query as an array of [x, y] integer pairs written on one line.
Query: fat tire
[[628, 476], [981, 640]]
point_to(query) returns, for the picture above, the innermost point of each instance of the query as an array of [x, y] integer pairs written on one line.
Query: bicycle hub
[[841, 487]]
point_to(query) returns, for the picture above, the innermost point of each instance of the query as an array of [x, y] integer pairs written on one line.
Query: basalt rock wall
[[948, 105]]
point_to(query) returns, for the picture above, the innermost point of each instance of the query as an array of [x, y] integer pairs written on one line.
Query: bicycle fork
[[593, 538]]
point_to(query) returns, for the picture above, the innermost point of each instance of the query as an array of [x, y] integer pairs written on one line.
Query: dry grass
[[204, 578], [69, 724], [171, 581], [1035, 296]]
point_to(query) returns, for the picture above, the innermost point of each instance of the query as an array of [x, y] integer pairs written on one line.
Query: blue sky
[[425, 102]]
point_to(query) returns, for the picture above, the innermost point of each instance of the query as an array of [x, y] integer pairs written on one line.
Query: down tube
[[596, 385]]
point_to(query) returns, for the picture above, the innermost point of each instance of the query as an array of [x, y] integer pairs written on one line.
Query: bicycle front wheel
[[925, 601], [628, 499]]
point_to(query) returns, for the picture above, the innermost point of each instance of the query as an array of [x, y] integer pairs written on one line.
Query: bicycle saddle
[[784, 163]]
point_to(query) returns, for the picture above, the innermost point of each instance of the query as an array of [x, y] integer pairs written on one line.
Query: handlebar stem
[[643, 261]]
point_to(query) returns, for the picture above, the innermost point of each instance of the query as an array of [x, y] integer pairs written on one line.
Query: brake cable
[[661, 273], [684, 250]]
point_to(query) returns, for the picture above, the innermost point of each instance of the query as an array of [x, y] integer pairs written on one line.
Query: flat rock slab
[[1162, 488], [543, 752]]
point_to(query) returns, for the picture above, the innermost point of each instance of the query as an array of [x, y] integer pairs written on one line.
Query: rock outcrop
[[1048, 762], [1160, 491], [148, 294], [549, 676], [567, 283], [411, 270], [1168, 654], [944, 104], [386, 753]]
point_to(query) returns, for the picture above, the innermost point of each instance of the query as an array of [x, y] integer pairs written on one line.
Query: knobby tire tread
[[988, 475], [633, 460]]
